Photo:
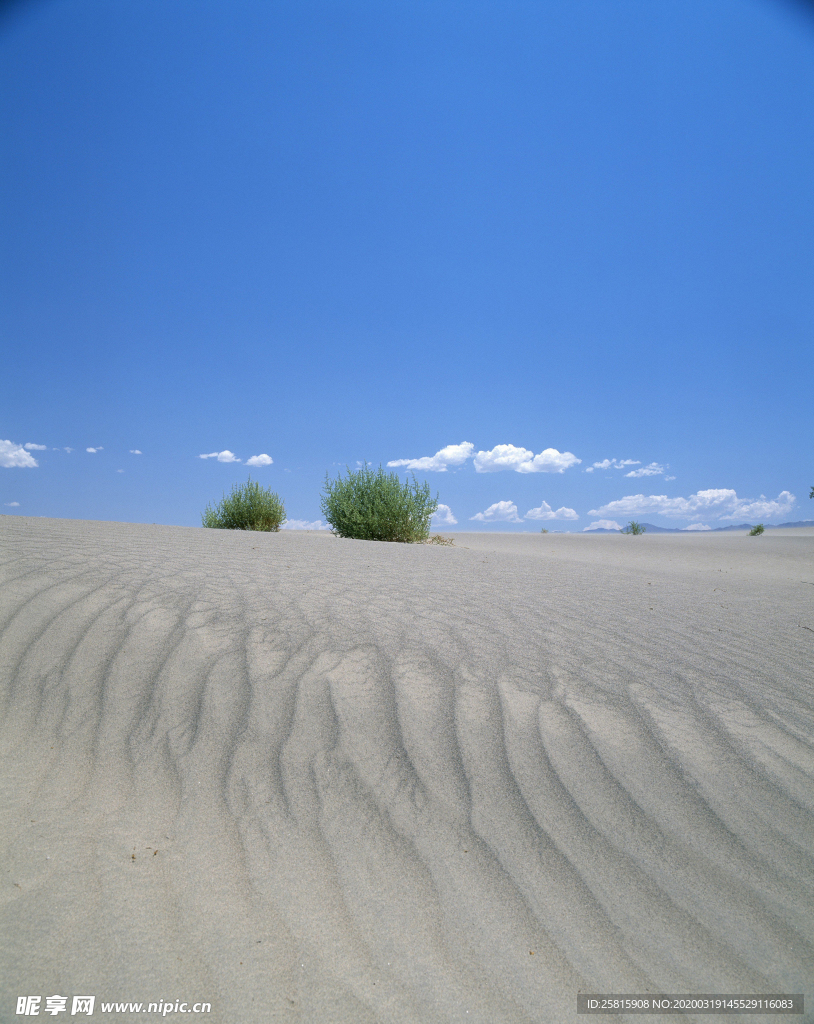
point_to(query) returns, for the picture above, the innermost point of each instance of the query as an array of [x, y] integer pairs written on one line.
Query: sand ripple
[[318, 780]]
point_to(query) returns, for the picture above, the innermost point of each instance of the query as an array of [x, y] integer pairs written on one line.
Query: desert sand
[[311, 779]]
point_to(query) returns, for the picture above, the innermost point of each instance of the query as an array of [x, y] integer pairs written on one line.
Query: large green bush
[[374, 505], [247, 507]]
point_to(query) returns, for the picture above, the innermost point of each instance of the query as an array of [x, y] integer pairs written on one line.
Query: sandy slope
[[318, 780]]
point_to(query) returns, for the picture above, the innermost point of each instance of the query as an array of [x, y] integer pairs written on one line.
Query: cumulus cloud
[[68, 450], [15, 456], [452, 455], [224, 456], [763, 507], [35, 447], [11, 504], [603, 524], [259, 460], [500, 512], [695, 526], [443, 516], [612, 464], [502, 456], [654, 469], [135, 451], [720, 504], [521, 460], [93, 451], [546, 512], [303, 524]]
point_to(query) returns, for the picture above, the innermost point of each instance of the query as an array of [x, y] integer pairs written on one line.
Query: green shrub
[[634, 528], [757, 530], [247, 507], [370, 505]]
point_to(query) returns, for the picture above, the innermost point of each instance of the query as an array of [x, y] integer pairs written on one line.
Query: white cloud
[[695, 526], [11, 504], [521, 460], [720, 504], [443, 516], [68, 450], [14, 455], [502, 456], [612, 464], [763, 507], [500, 512], [303, 524], [119, 470], [452, 455], [135, 451], [546, 512], [93, 451], [36, 447], [224, 456], [668, 478], [259, 460], [603, 524], [654, 469]]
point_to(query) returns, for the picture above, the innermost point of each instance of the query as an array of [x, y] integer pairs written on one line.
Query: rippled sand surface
[[309, 779]]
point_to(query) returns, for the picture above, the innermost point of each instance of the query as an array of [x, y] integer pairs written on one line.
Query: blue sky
[[558, 253]]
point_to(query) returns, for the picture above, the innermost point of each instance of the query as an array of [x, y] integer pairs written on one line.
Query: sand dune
[[307, 779]]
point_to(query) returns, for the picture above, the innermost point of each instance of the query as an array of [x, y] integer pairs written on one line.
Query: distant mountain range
[[652, 528]]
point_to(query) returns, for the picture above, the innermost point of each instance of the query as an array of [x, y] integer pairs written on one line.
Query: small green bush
[[634, 528], [368, 505], [757, 530], [247, 507]]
